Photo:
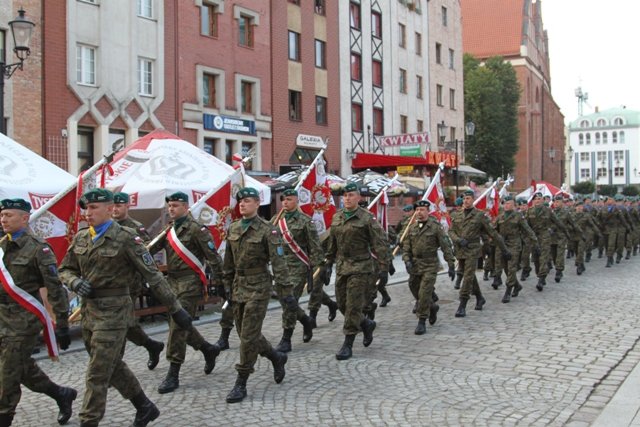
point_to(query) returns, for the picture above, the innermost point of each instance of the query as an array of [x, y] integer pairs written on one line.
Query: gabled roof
[[492, 27]]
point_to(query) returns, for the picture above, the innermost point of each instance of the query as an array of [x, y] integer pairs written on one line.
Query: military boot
[[6, 420], [171, 381], [371, 313], [558, 276], [580, 269], [333, 310], [618, 258], [367, 326], [609, 262], [497, 281], [587, 257], [210, 352], [541, 283], [458, 281], [313, 314], [239, 390], [485, 276], [146, 411], [421, 329], [223, 341], [516, 290], [434, 297], [525, 274], [600, 251], [64, 397], [345, 351], [284, 346], [507, 294], [278, 360], [307, 328], [628, 256], [461, 312], [480, 302], [433, 313], [154, 348], [635, 251], [386, 299]]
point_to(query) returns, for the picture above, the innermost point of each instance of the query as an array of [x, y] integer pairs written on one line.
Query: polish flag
[[489, 201], [435, 195], [379, 211], [315, 196]]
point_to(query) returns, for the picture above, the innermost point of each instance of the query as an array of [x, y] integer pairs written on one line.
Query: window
[[403, 81], [614, 137], [245, 151], [618, 156], [452, 134], [451, 59], [376, 24], [376, 73], [294, 46], [354, 15], [618, 171], [602, 172], [3, 46], [420, 126], [209, 90], [356, 117], [618, 121], [246, 95], [145, 76], [452, 99], [209, 20], [621, 137], [584, 157], [602, 122], [321, 110], [145, 8], [245, 31], [418, 44], [581, 139], [584, 173], [439, 95], [597, 137], [86, 65], [602, 156], [444, 16], [295, 105], [208, 145], [403, 124], [402, 35], [585, 124], [378, 121], [321, 55], [228, 151], [356, 67], [588, 139], [438, 53], [320, 7], [604, 137], [419, 87], [85, 149]]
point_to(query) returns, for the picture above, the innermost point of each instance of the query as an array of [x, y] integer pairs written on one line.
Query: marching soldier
[[317, 296], [458, 211], [407, 211], [252, 243], [32, 265], [540, 218], [99, 266], [623, 205], [590, 228], [560, 237], [186, 244], [303, 254], [525, 255], [514, 229], [353, 236], [465, 233], [614, 226], [136, 334], [592, 238], [419, 253]]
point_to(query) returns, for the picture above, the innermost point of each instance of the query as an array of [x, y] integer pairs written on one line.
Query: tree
[[584, 187], [491, 95], [630, 190], [608, 190]]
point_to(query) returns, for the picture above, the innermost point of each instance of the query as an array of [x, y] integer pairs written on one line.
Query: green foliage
[[584, 187], [608, 190], [630, 190], [491, 94]]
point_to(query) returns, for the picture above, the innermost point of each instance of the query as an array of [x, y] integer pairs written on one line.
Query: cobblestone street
[[547, 358]]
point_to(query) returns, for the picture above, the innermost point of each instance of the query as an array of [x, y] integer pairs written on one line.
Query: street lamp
[[470, 128], [21, 30]]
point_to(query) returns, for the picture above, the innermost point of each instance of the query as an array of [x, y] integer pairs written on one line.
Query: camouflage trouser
[[603, 241], [629, 241], [371, 292], [525, 258], [470, 284], [582, 247], [422, 286], [318, 296], [489, 251], [179, 338], [249, 317], [351, 294], [615, 242], [511, 266], [226, 321], [18, 367], [105, 369], [558, 250], [542, 261], [136, 334], [289, 316]]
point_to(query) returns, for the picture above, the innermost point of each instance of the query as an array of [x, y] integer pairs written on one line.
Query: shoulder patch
[[211, 246], [280, 250], [53, 270], [46, 250], [147, 259]]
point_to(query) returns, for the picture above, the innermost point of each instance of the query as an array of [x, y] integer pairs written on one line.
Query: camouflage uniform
[[614, 227], [589, 227], [560, 238], [110, 264], [540, 218], [186, 283], [318, 296], [32, 265]]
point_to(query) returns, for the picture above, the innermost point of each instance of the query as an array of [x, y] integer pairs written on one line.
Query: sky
[[594, 44]]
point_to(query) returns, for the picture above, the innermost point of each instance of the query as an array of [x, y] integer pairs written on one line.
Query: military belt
[[250, 271], [182, 273], [114, 292]]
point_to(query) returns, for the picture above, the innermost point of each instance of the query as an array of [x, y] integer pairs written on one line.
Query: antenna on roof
[[582, 99]]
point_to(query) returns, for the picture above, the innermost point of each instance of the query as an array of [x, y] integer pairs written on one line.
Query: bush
[[584, 187], [608, 190], [630, 190]]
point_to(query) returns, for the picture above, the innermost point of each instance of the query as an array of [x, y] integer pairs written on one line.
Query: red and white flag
[[315, 196], [379, 210], [489, 201], [435, 195]]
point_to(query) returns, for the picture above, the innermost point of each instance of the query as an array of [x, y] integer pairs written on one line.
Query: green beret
[[121, 198], [97, 195], [521, 201], [407, 208], [458, 201], [558, 197], [422, 204], [579, 203], [19, 204], [350, 187], [507, 198], [618, 197], [363, 204], [468, 193], [245, 192], [537, 194], [178, 196], [290, 192]]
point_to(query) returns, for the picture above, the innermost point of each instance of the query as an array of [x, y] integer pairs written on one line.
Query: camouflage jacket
[[305, 235], [247, 256], [541, 219], [611, 219], [469, 225], [137, 226], [586, 222], [32, 265], [422, 243], [353, 240], [108, 264], [573, 231], [401, 225], [514, 230]]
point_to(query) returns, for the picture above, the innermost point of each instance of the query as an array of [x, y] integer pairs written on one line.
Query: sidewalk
[[624, 407]]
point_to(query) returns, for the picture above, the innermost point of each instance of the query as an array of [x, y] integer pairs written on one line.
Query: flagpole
[[381, 192], [484, 194]]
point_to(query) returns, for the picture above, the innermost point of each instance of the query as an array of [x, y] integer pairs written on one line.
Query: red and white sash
[[187, 256], [295, 248], [31, 304]]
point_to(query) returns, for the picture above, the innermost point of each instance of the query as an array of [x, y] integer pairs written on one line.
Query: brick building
[[514, 30]]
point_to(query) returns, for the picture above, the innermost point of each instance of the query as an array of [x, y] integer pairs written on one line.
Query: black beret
[[422, 204]]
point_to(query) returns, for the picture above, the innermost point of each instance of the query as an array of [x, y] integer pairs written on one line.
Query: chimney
[[597, 109]]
